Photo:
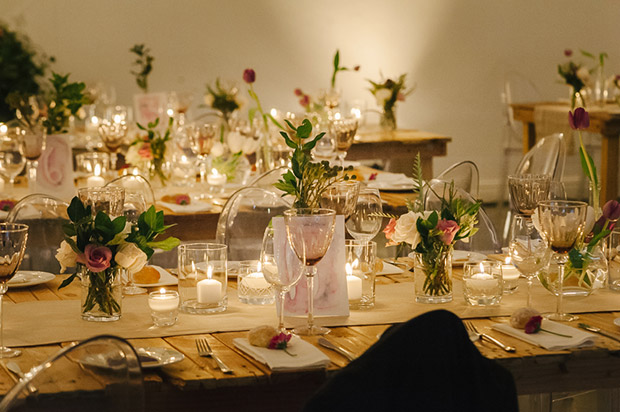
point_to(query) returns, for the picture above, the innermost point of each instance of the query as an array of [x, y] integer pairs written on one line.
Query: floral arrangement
[[306, 181], [227, 165], [307, 102], [20, 70], [150, 151], [144, 63], [387, 93], [338, 68], [223, 99], [66, 100], [101, 244], [577, 75], [432, 234]]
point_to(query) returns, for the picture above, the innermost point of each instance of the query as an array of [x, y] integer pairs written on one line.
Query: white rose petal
[[131, 257], [584, 74], [209, 99], [406, 230], [66, 256], [382, 95], [235, 141], [217, 149]]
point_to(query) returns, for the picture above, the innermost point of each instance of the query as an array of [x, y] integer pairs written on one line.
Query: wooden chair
[[106, 368]]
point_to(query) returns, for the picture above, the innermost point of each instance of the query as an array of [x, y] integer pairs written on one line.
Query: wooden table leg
[[529, 136], [609, 167]]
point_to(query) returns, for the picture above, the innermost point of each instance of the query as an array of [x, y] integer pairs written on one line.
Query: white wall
[[459, 52]]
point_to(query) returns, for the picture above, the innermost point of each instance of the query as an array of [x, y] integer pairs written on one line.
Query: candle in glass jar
[[354, 283], [209, 291], [163, 300], [510, 273], [96, 180], [482, 283], [255, 280], [215, 178]]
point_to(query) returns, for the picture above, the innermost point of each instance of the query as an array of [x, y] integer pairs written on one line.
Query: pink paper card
[[55, 170], [150, 106], [330, 285]]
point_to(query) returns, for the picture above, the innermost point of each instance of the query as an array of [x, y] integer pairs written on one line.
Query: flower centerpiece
[[102, 248], [388, 92], [66, 100], [225, 101], [432, 235], [144, 64], [578, 76], [150, 153], [306, 180]]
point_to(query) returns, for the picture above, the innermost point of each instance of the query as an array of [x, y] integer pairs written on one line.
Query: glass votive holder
[[361, 270], [92, 163], [109, 200], [203, 277], [252, 287], [482, 283], [510, 276], [613, 260], [164, 305], [216, 182]]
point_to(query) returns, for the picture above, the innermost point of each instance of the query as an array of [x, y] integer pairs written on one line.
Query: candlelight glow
[[348, 269]]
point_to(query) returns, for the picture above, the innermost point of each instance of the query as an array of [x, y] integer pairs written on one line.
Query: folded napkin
[[191, 208], [386, 179], [579, 338], [308, 356]]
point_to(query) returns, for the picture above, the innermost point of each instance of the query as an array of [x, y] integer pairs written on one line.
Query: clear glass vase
[[432, 276], [388, 119], [101, 293]]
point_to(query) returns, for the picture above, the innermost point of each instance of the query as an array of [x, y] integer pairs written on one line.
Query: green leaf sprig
[[144, 63], [306, 181], [338, 68], [157, 143], [150, 225], [66, 99]]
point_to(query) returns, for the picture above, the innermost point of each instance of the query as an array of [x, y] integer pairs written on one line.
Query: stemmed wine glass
[[365, 221], [310, 232], [562, 224], [12, 159], [527, 190], [528, 251], [343, 131], [34, 144], [341, 197], [13, 238], [133, 206], [113, 135], [282, 281]]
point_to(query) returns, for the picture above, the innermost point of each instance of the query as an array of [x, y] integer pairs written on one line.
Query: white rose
[[66, 256], [590, 220], [132, 157], [131, 257], [209, 99], [249, 146], [584, 74], [406, 230], [217, 149], [235, 141], [382, 95]]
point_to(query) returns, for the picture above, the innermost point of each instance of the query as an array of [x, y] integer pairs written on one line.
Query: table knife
[[599, 331]]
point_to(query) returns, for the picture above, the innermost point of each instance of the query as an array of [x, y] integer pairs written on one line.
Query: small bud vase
[[388, 119], [432, 276], [101, 293]]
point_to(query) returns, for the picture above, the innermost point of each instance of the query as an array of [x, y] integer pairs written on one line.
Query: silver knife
[[329, 345], [599, 331]]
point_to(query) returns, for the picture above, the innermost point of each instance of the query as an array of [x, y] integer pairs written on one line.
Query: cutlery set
[[473, 332]]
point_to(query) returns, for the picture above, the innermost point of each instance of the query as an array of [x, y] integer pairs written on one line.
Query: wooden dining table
[[196, 383]]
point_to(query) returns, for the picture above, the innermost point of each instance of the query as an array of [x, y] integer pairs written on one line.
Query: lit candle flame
[[209, 272], [162, 291], [118, 118], [97, 171], [214, 172], [355, 263], [507, 260], [348, 269], [481, 267]]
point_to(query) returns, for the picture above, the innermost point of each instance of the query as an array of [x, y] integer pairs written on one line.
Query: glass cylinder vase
[[388, 119], [101, 293], [432, 276]]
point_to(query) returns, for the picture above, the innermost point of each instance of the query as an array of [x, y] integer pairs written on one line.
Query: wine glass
[[34, 144], [528, 251], [282, 281], [562, 223], [13, 238], [341, 197], [12, 159], [365, 221], [343, 130], [310, 232], [113, 136], [527, 190]]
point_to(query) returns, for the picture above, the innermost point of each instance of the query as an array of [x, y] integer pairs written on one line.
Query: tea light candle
[[209, 291], [96, 180], [510, 272], [216, 179], [255, 280], [482, 283], [163, 300], [354, 283]]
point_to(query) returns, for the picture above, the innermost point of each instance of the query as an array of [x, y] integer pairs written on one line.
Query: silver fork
[[204, 349], [472, 329]]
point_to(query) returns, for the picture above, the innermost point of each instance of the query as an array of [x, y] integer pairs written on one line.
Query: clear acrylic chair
[[243, 220], [548, 156], [99, 374], [269, 178], [44, 216], [485, 240], [135, 184], [465, 175]]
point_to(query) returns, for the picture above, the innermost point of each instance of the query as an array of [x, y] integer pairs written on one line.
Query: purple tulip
[[611, 210], [298, 92], [249, 76], [579, 119], [568, 52], [305, 101]]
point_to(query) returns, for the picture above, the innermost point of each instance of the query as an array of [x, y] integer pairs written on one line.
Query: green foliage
[[144, 64], [224, 99], [306, 181], [338, 68], [66, 99], [20, 68], [227, 166], [157, 142], [150, 225], [394, 87]]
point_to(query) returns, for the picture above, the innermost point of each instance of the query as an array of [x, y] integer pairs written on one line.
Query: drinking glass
[[341, 197], [13, 238], [343, 130], [325, 148], [282, 281], [527, 190], [12, 159], [113, 136], [108, 199], [562, 223], [133, 206], [34, 144], [310, 232], [528, 251], [365, 221]]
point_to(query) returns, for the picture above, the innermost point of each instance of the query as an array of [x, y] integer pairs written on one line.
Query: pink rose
[[449, 229], [298, 92], [389, 229], [305, 101], [145, 151], [96, 258]]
